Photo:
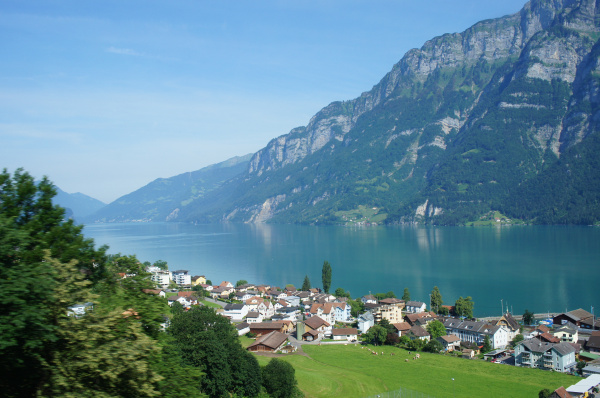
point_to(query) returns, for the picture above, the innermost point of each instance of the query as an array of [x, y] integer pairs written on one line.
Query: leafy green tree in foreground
[[376, 335], [436, 329], [279, 379], [326, 276], [306, 284], [209, 342]]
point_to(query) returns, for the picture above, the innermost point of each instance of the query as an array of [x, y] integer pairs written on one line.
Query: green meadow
[[352, 371]]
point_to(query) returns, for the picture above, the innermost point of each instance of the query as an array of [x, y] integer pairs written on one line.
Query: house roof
[[253, 314], [415, 303], [580, 314], [369, 297], [152, 291], [451, 338], [242, 326], [366, 317], [266, 325], [234, 307], [543, 328], [344, 332], [402, 326], [418, 331], [510, 320], [315, 322], [391, 301], [584, 385], [549, 338], [593, 342], [271, 340], [561, 392], [312, 332]]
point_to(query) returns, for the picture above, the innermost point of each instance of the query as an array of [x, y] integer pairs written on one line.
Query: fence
[[401, 393]]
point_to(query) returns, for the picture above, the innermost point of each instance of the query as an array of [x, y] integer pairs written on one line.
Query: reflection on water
[[538, 268]]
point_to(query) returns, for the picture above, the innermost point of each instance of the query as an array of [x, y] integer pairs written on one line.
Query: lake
[[540, 268]]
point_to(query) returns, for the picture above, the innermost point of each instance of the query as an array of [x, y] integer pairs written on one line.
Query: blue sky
[[105, 96]]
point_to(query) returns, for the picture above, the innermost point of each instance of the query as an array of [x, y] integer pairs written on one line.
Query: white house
[[181, 277], [415, 307], [365, 322], [348, 334], [236, 312], [475, 332], [161, 277]]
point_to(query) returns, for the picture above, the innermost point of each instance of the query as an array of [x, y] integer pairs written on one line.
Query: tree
[[580, 365], [436, 300], [279, 379], [433, 346], [326, 276], [161, 264], [241, 282], [487, 345], [416, 345], [545, 393], [209, 282], [306, 284], [517, 339], [340, 292], [406, 295], [376, 335], [464, 307], [436, 329], [528, 317], [357, 307], [209, 342], [381, 296]]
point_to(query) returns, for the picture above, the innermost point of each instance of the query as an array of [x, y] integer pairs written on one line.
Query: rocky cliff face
[[447, 133]]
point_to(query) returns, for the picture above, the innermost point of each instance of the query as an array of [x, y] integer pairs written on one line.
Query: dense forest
[[118, 345]]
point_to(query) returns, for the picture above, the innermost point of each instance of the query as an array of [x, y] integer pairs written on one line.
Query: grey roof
[[366, 317], [253, 314], [470, 326], [242, 326], [414, 303], [418, 331], [535, 345], [233, 307]]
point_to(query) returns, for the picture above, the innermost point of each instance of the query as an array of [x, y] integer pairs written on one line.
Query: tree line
[[76, 321]]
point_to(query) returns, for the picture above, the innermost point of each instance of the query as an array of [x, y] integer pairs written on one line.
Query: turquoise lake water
[[540, 268]]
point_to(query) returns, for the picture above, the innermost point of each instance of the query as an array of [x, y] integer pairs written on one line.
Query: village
[[281, 320]]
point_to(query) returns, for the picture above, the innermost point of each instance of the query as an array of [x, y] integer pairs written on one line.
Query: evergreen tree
[[306, 284], [406, 295], [326, 276], [436, 300], [487, 345], [528, 317]]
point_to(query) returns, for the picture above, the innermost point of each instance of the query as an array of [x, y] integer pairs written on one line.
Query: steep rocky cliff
[[451, 132]]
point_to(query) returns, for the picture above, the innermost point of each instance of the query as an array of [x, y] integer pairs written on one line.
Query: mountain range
[[501, 117]]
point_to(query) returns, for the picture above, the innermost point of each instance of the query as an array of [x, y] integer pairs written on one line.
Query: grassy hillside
[[349, 371]]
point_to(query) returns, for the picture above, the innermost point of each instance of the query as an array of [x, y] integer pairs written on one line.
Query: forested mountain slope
[[503, 116], [163, 198]]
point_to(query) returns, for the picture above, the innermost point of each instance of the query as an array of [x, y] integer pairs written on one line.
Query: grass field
[[349, 371]]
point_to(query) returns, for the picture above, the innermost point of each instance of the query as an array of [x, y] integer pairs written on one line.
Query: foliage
[[436, 329], [306, 284], [279, 379], [381, 296], [376, 335], [436, 300], [340, 292], [209, 342], [416, 344], [357, 307], [161, 264], [179, 380], [487, 345], [517, 339], [326, 276], [241, 282], [433, 346], [464, 307], [579, 366], [209, 282], [528, 317], [545, 393], [406, 295]]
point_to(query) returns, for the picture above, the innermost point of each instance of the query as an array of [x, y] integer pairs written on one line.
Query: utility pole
[[502, 304]]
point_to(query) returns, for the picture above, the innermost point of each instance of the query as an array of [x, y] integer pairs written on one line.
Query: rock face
[[449, 133]]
